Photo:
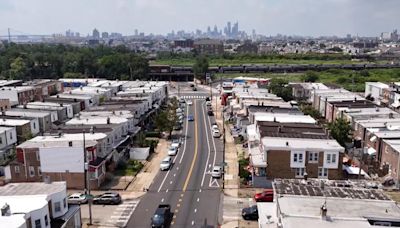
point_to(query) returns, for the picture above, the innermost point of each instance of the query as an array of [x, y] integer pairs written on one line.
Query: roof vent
[[377, 109], [287, 143], [5, 210], [108, 120]]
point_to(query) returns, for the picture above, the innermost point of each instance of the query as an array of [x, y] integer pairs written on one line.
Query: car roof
[[167, 158], [76, 194], [217, 167]]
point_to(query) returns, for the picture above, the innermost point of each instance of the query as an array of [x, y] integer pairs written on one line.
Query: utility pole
[[87, 180], [223, 148]]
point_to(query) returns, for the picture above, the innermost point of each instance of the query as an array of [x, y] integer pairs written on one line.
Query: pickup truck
[[162, 217]]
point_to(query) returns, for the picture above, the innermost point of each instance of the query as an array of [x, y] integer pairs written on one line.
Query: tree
[[340, 130], [167, 119], [309, 110], [281, 88], [18, 68], [310, 76], [200, 67]]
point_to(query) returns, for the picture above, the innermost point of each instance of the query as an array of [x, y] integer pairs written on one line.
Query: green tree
[[281, 88], [310, 76], [172, 118], [161, 121], [18, 68], [200, 67], [309, 110], [340, 130]]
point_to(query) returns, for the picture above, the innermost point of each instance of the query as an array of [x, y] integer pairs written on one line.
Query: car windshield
[[216, 169], [253, 208], [165, 162]]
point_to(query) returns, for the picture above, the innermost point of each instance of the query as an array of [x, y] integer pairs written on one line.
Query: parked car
[[166, 163], [208, 103], [182, 100], [107, 198], [216, 172], [194, 89], [189, 102], [190, 118], [216, 133], [77, 198], [162, 216], [208, 99], [250, 213], [176, 143], [214, 127], [265, 196], [177, 127], [172, 151]]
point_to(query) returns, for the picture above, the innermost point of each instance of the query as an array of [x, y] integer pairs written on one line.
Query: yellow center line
[[195, 149]]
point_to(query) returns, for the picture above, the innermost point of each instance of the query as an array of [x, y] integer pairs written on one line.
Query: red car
[[265, 196]]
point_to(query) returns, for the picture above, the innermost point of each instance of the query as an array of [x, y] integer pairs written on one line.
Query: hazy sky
[[269, 17]]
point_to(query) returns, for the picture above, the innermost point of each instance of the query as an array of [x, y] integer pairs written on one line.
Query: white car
[[166, 163], [216, 172], [216, 133], [176, 143], [214, 127], [208, 103], [77, 198], [172, 151], [189, 102]]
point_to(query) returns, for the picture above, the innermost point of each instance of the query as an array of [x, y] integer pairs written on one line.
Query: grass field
[[343, 78]]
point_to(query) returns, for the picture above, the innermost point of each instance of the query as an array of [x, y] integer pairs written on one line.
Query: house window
[[1, 140], [322, 172], [46, 220], [328, 158], [295, 158], [31, 171], [57, 206], [37, 156], [300, 157], [299, 172], [16, 169], [333, 158], [11, 136], [34, 125], [39, 171], [38, 224], [65, 202], [313, 156]]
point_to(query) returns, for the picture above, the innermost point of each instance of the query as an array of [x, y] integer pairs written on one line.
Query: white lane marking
[[162, 200], [186, 133], [208, 144], [192, 223], [174, 174], [198, 199], [170, 182], [214, 183], [166, 190], [199, 190], [195, 210]]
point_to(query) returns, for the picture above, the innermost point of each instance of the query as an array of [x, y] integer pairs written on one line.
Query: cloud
[[302, 17]]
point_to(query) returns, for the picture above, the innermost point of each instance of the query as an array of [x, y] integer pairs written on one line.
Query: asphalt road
[[188, 187]]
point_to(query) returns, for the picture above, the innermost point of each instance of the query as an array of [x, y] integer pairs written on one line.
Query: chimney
[[324, 211], [108, 120], [5, 210], [377, 109], [58, 96], [287, 143], [61, 105]]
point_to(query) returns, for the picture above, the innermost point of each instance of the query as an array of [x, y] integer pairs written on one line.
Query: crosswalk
[[193, 97], [122, 213]]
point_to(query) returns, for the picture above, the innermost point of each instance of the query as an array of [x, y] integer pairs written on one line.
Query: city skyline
[[303, 17]]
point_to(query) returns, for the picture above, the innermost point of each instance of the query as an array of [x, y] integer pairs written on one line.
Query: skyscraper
[[228, 29], [96, 34]]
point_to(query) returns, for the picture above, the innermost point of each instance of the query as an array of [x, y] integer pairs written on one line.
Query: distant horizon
[[306, 18]]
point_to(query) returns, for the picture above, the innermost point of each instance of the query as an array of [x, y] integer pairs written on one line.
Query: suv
[[108, 198], [162, 216]]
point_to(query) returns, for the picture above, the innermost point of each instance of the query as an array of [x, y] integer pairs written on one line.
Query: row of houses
[[374, 119], [96, 119]]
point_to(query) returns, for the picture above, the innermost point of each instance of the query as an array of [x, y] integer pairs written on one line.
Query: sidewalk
[[146, 176]]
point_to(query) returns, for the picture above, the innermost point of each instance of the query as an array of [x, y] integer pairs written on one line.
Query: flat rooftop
[[96, 120], [331, 188], [278, 143], [32, 188], [283, 118], [291, 130], [13, 122]]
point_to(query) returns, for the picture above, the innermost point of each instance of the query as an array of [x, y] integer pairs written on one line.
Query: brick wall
[[278, 166], [390, 156]]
